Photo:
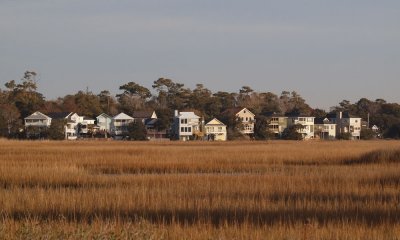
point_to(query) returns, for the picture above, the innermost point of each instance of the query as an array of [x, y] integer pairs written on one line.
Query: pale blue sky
[[326, 50]]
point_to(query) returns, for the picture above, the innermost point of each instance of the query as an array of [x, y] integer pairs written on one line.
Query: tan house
[[277, 123], [215, 130]]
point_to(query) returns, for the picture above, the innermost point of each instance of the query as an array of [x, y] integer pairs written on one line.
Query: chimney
[[176, 113]]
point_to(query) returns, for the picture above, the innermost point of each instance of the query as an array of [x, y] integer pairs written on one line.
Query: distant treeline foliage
[[21, 98]]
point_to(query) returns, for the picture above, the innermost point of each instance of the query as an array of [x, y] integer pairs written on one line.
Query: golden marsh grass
[[200, 190]]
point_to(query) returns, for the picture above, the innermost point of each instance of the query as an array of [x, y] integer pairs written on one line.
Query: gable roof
[[296, 115], [144, 114], [37, 115], [215, 122], [322, 121], [104, 115], [235, 111], [187, 115], [273, 114], [59, 115], [122, 116], [344, 115]]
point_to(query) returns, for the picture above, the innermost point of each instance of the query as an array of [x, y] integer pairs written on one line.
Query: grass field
[[233, 190]]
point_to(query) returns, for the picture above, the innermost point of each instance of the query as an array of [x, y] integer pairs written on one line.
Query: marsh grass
[[234, 190]]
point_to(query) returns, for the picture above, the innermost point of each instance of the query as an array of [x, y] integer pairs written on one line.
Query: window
[[219, 129], [184, 121], [189, 129], [182, 129]]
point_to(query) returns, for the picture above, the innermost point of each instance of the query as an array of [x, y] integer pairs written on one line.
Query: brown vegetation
[[242, 190]]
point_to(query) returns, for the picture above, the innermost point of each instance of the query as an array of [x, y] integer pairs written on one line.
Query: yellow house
[[215, 130]]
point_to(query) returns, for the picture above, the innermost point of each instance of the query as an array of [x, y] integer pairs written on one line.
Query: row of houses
[[189, 126], [81, 126]]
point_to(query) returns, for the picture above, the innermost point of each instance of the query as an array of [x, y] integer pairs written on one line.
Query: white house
[[346, 123], [87, 126], [36, 123], [306, 122], [71, 121], [104, 122], [324, 129], [215, 130], [186, 126], [119, 125]]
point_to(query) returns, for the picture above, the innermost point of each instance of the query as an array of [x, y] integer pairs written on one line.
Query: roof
[[296, 115], [322, 121], [344, 115], [143, 114], [151, 121], [104, 115], [235, 110], [37, 115], [122, 116], [215, 122], [59, 115], [273, 114], [188, 115]]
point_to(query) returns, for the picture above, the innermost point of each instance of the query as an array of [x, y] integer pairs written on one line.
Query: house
[[306, 122], [215, 130], [277, 123], [244, 116], [153, 132], [36, 124], [119, 125], [186, 126], [87, 126], [104, 122], [71, 121], [346, 123], [149, 119], [324, 129], [144, 115]]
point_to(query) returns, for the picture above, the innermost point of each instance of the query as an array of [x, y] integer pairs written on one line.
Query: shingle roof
[[273, 114], [142, 114], [59, 115], [37, 115]]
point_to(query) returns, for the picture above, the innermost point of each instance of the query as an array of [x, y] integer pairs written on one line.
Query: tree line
[[19, 99]]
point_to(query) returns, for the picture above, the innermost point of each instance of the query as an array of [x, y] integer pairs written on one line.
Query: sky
[[325, 50]]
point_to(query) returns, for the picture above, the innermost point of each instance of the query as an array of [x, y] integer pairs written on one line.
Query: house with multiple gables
[[346, 123]]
